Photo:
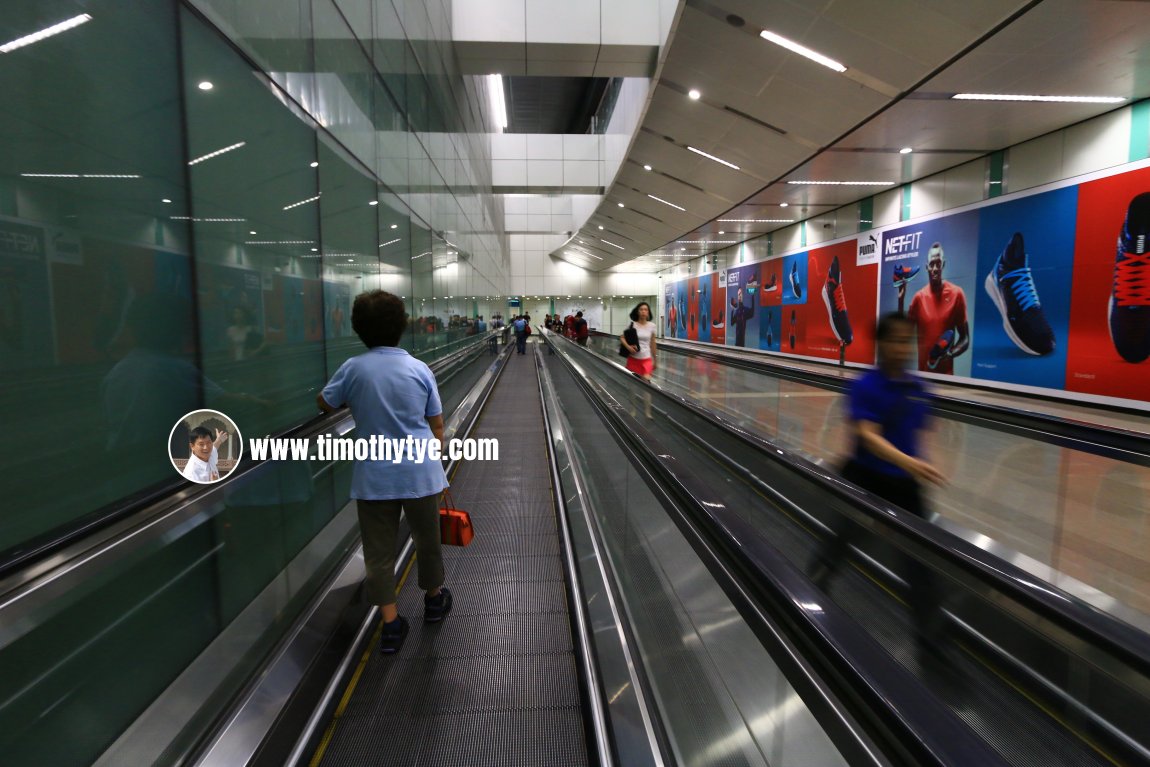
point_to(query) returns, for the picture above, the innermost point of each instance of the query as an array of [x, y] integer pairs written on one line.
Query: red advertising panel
[[841, 308], [1109, 338]]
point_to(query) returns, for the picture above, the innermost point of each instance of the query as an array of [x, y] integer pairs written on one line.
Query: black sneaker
[[392, 636], [1130, 300], [1010, 286], [434, 608]]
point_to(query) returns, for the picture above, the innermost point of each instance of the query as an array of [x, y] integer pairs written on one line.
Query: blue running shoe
[[1011, 286], [904, 274], [796, 287], [1130, 301], [941, 349]]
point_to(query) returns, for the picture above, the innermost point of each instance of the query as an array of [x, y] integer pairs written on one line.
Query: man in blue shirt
[[888, 409], [520, 327], [393, 395]]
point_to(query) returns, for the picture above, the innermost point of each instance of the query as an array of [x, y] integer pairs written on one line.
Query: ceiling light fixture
[[673, 205], [784, 204], [646, 167], [842, 183], [613, 245], [373, 203], [498, 101], [421, 255], [905, 150], [621, 205], [1053, 99], [80, 175], [301, 202], [313, 164], [757, 220], [600, 227], [36, 37], [712, 157], [205, 86], [802, 50], [693, 94], [217, 153], [166, 201], [390, 242], [395, 226]]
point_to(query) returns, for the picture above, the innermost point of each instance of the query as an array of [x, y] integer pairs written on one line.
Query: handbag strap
[[448, 501]]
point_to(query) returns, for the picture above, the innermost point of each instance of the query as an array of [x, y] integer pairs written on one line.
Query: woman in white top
[[642, 359]]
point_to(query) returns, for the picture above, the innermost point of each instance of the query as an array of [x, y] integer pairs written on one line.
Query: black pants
[[904, 492]]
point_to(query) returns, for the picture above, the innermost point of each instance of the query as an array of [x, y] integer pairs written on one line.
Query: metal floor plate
[[496, 682]]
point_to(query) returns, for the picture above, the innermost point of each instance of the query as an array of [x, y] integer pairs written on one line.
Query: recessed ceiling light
[[315, 250], [802, 50], [784, 204], [205, 86], [166, 200], [498, 100], [1054, 99], [600, 227], [673, 205], [395, 226], [712, 157], [313, 165], [36, 37], [351, 260], [253, 232], [842, 183], [722, 232], [301, 202], [646, 167], [905, 150], [374, 202], [621, 205], [693, 94]]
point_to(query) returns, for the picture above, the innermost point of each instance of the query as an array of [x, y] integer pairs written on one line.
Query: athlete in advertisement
[[939, 314], [740, 313]]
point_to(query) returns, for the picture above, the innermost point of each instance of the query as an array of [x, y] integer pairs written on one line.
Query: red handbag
[[454, 524]]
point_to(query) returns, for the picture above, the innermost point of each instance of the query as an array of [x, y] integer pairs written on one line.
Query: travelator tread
[[496, 682]]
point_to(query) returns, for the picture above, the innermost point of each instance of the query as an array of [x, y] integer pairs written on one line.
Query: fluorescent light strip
[[707, 242], [36, 37], [673, 205], [578, 253], [390, 242], [81, 175], [585, 253], [421, 255], [802, 50], [1055, 99], [712, 157], [613, 245], [207, 220], [499, 102], [842, 183], [217, 153], [301, 202], [280, 242], [756, 221]]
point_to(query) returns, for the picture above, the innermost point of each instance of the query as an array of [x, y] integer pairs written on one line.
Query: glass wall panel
[[97, 354], [255, 213]]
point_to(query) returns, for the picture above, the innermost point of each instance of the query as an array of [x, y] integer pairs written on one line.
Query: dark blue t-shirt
[[899, 406]]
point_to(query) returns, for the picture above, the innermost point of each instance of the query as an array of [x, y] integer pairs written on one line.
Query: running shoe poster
[[680, 300], [1022, 299], [693, 309], [842, 307], [716, 316], [743, 284], [930, 271], [1109, 344]]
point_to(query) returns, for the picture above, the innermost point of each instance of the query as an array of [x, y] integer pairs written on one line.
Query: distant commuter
[[938, 312], [520, 326], [393, 395], [581, 329], [642, 359]]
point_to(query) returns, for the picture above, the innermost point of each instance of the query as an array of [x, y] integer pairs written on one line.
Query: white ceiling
[[780, 117]]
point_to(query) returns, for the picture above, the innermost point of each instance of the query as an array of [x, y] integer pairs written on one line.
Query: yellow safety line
[[330, 731]]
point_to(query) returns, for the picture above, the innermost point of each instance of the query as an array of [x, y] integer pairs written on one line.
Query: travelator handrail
[[33, 558], [840, 671], [1107, 441], [1123, 649]]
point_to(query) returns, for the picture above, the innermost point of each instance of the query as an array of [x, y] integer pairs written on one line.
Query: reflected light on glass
[[36, 37]]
